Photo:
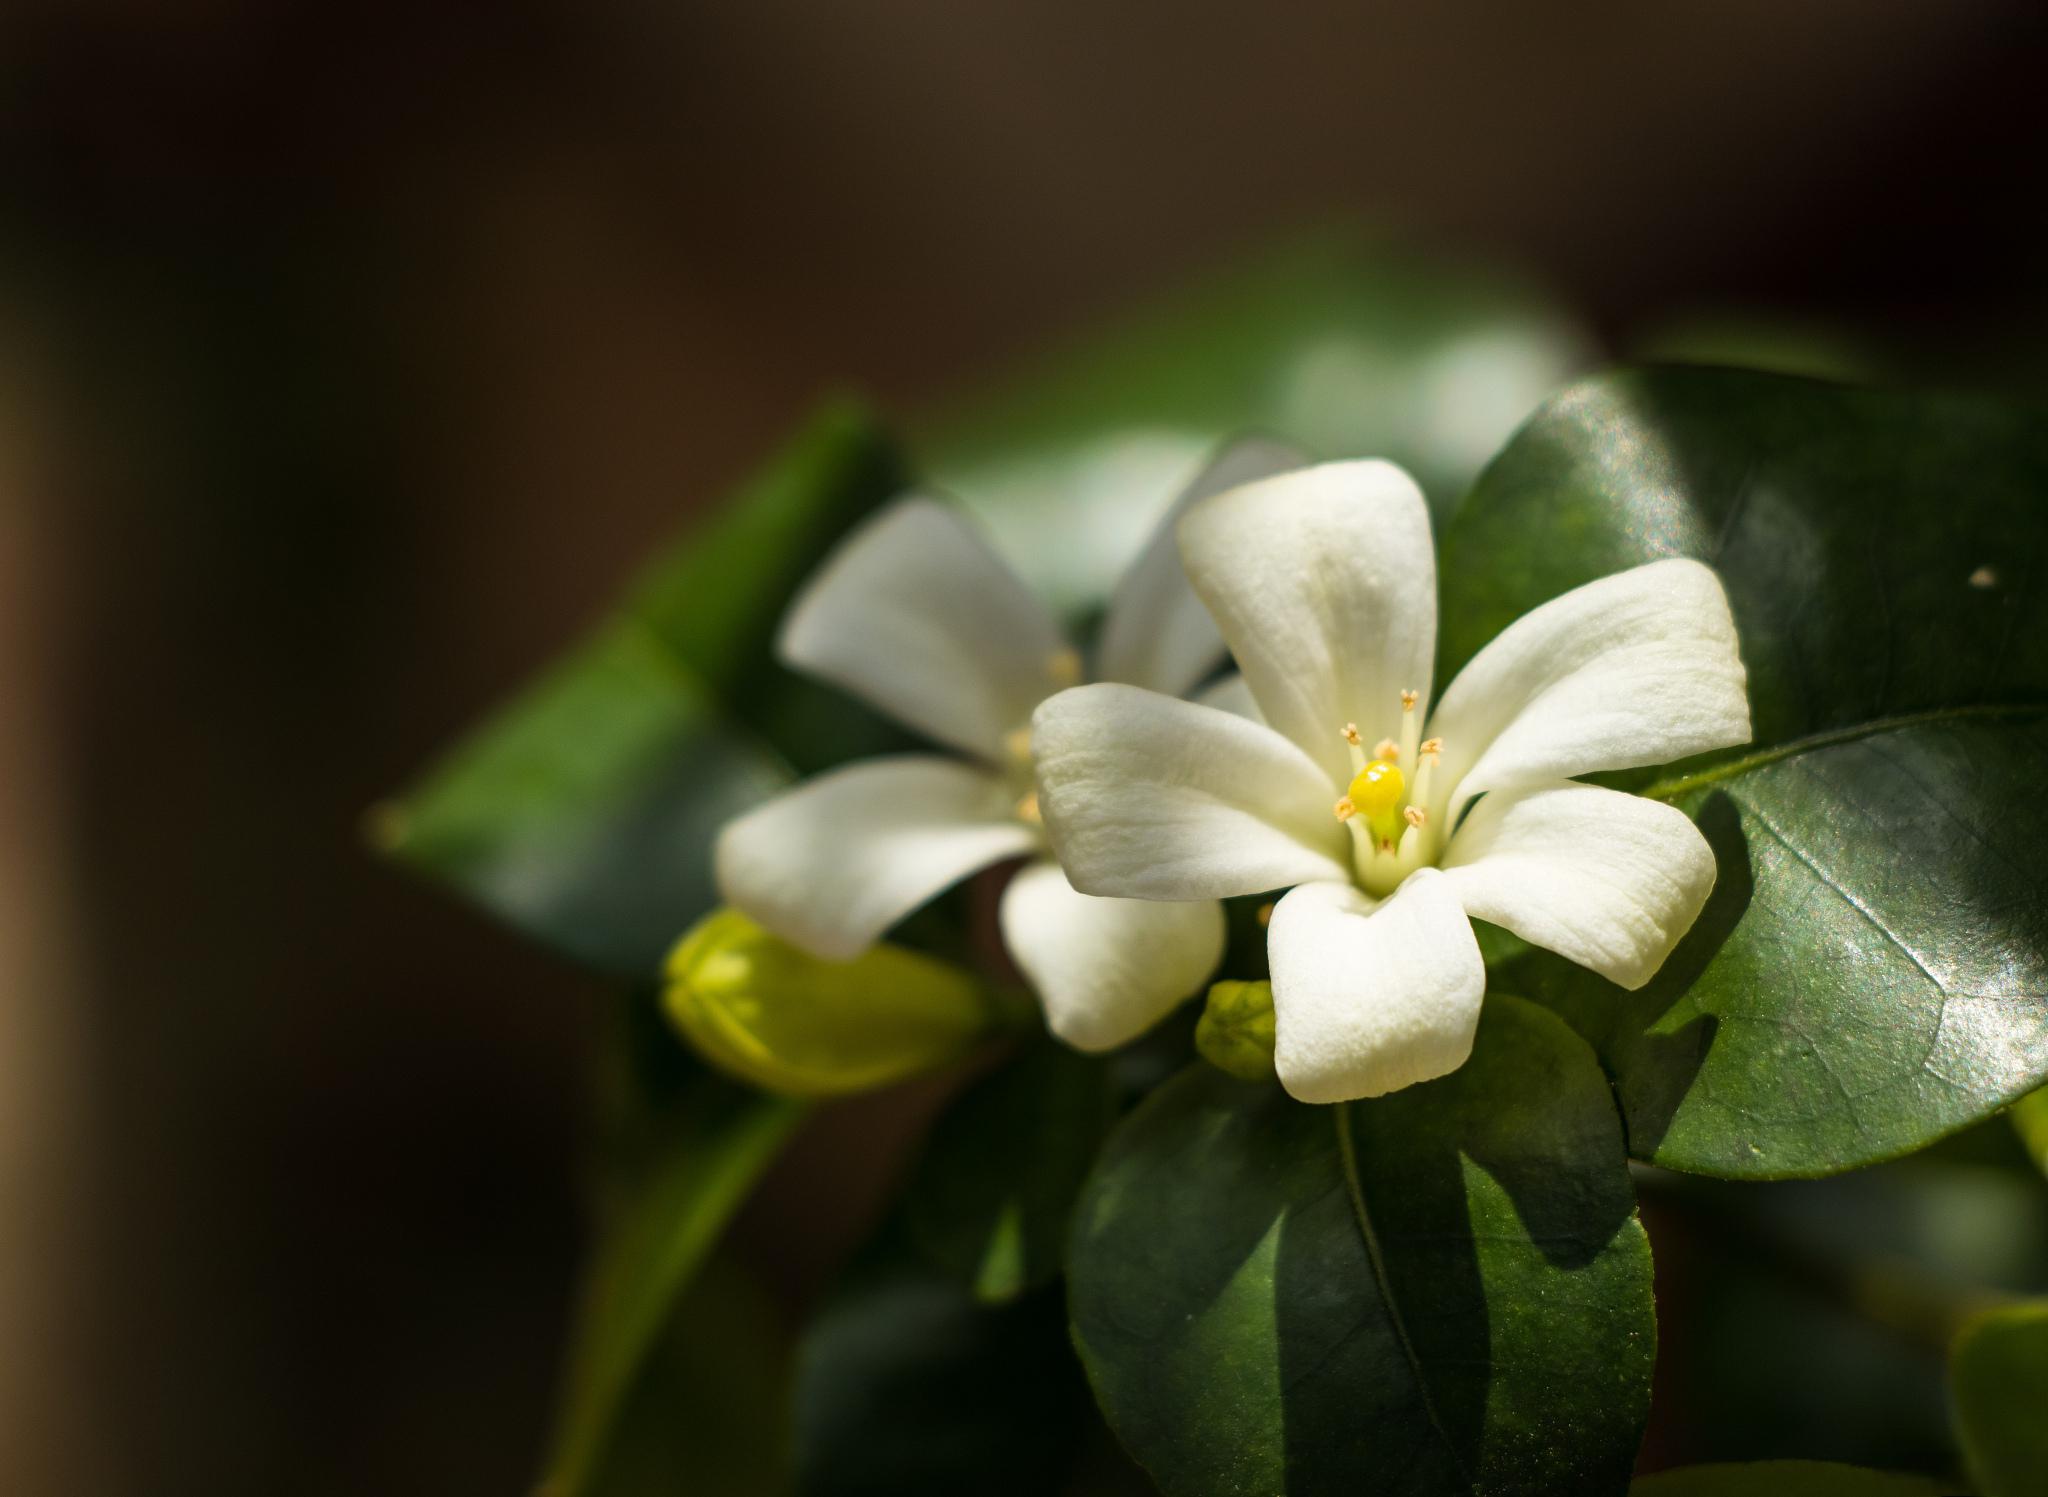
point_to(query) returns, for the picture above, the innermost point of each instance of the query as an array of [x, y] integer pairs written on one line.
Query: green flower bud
[[760, 1009], [1235, 1032]]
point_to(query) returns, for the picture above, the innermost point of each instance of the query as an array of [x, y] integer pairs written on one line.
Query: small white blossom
[[915, 614], [1323, 583]]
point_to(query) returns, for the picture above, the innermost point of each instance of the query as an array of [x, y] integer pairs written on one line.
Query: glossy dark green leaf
[[583, 813], [1872, 970], [691, 1165], [1445, 1290], [1999, 1372], [907, 1386], [992, 1194], [1785, 1479], [1346, 345]]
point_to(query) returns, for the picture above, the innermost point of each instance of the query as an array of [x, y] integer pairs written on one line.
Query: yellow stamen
[[1064, 666], [1027, 809], [1432, 746], [1386, 748], [1415, 815], [1351, 734], [1017, 743], [1344, 809], [1409, 698]]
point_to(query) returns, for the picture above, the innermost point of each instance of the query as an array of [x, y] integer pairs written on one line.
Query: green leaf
[[992, 1194], [1999, 1372], [583, 813], [1872, 970], [1444, 1290], [692, 1168], [907, 1386], [1347, 344], [1784, 1479]]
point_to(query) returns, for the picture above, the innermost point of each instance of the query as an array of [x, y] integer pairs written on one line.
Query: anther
[[1265, 913], [1027, 809], [1017, 743], [1415, 815], [1386, 748], [1353, 747], [1344, 809], [1432, 746], [1411, 727], [1064, 666]]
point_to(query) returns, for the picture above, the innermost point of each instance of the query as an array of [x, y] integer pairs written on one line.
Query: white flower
[[914, 614], [1323, 583]]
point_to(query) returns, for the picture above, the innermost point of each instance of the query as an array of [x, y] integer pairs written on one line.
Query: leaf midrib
[[1673, 788], [1354, 1187]]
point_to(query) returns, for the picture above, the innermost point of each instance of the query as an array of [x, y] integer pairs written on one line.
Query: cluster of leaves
[[1448, 1289]]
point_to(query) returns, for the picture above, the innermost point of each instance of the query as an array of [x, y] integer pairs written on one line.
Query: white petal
[[1231, 695], [1611, 881], [1369, 999], [915, 614], [1156, 633], [833, 863], [1146, 797], [1107, 970], [1637, 668], [1324, 585]]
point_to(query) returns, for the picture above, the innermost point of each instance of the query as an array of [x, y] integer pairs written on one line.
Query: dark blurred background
[[350, 356]]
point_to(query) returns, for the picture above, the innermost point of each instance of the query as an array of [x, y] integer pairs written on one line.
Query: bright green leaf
[[1444, 1290], [691, 1171], [992, 1194], [1872, 970], [1784, 1479], [583, 813], [1999, 1372], [1347, 345]]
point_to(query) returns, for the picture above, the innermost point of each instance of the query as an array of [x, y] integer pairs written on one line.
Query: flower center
[[1063, 668], [1386, 805]]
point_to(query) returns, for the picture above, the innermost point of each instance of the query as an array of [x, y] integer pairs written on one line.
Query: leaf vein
[[1671, 789], [1876, 924], [1347, 1151]]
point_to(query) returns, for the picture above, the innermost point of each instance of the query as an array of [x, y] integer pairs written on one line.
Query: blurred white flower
[[1323, 583], [915, 614]]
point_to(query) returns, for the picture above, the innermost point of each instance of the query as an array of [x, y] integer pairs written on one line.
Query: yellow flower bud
[[757, 1007], [1235, 1032]]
